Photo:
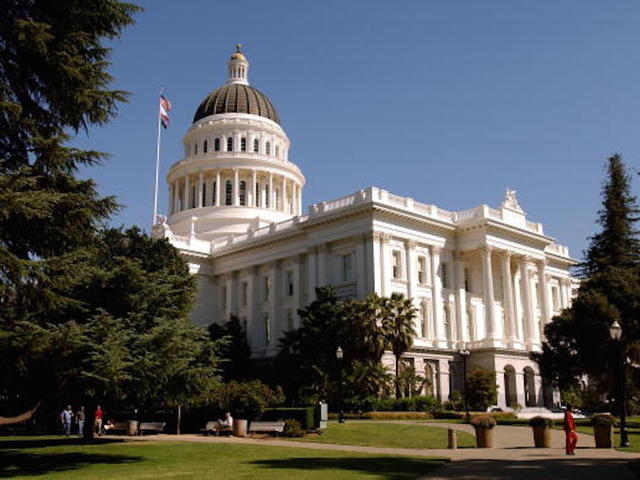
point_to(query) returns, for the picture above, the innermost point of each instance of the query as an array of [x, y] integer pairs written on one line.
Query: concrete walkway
[[512, 458]]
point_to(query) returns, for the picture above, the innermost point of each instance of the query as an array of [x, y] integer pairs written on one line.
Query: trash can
[[132, 427], [453, 439]]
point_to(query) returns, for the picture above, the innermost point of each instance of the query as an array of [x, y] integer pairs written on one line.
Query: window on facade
[[277, 202], [289, 284], [228, 193], [347, 268], [256, 145], [268, 148], [204, 194], [195, 149], [223, 299], [267, 197], [243, 144], [444, 275], [267, 329], [213, 199], [425, 318], [395, 262], [422, 270], [243, 293], [205, 146], [467, 280], [447, 321], [216, 144], [243, 193], [266, 288], [229, 144], [193, 197], [258, 195]]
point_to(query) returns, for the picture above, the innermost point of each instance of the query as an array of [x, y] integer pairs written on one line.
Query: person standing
[[98, 422], [80, 420], [66, 416], [570, 432]]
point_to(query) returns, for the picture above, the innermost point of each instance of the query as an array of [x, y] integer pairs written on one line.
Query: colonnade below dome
[[235, 187]]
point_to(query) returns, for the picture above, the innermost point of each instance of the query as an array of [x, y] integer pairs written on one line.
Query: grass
[[391, 435], [69, 459]]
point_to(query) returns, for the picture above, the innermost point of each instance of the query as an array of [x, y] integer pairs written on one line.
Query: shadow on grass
[[390, 468], [17, 443]]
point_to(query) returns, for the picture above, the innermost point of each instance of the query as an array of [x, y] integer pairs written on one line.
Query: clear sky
[[448, 102]]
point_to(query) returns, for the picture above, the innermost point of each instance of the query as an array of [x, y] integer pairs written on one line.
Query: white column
[[176, 196], [210, 193], [283, 194], [218, 189], [294, 198], [385, 264], [254, 180], [254, 322], [234, 303], [236, 187], [518, 303], [361, 269], [461, 301], [531, 335], [436, 297], [199, 190], [322, 265], [187, 193], [545, 308], [487, 287], [507, 298], [273, 311], [311, 274], [410, 256], [271, 194], [299, 200], [375, 271]]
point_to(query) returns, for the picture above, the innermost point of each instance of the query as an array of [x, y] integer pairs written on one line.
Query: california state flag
[[165, 108]]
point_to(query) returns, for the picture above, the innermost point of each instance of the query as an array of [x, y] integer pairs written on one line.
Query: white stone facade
[[484, 279]]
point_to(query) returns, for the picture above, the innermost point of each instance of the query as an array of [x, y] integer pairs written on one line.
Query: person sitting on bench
[[226, 424]]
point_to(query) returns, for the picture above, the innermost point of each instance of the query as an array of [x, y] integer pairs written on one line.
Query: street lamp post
[[339, 355], [465, 354], [615, 330]]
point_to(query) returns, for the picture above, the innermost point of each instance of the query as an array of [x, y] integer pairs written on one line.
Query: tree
[[397, 315], [234, 350], [578, 341], [53, 82], [482, 388]]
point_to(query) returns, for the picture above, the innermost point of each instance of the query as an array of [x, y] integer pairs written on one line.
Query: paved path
[[512, 458]]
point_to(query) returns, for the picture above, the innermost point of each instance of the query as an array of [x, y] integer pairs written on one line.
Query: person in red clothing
[[98, 420], [570, 431]]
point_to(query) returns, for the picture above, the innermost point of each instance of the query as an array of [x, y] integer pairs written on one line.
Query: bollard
[[453, 439]]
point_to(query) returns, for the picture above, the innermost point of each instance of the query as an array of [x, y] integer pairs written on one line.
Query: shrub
[[503, 415], [541, 422], [305, 416], [483, 421], [292, 428], [398, 416], [246, 400], [603, 419], [449, 415], [482, 388]]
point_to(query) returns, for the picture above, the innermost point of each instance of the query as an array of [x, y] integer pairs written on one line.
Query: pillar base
[[493, 343]]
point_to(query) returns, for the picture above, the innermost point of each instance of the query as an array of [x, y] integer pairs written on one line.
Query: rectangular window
[[229, 144], [266, 288], [422, 270], [444, 275], [347, 268], [289, 283], [243, 144], [223, 299], [205, 147], [243, 293], [204, 194], [267, 329], [467, 280], [396, 264], [195, 149]]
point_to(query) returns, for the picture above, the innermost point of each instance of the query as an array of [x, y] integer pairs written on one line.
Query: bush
[[482, 388], [541, 422], [292, 428], [444, 414], [246, 400], [603, 420], [483, 421], [398, 415], [305, 416], [503, 415]]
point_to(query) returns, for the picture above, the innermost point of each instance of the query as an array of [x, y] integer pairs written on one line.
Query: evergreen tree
[[578, 341], [234, 348]]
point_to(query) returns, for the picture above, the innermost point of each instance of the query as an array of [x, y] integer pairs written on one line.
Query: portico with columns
[[486, 279]]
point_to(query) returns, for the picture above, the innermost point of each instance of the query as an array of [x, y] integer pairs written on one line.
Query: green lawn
[[60, 458], [392, 435]]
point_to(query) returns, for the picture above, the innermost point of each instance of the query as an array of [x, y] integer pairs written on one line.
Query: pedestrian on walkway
[[66, 416], [570, 431], [80, 420], [98, 421]]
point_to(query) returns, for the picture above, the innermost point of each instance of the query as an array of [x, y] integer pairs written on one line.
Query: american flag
[[165, 108]]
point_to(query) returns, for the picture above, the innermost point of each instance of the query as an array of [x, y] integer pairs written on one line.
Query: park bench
[[272, 427], [118, 427], [215, 428], [153, 427]]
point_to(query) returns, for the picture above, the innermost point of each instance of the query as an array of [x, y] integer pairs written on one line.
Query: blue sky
[[446, 102]]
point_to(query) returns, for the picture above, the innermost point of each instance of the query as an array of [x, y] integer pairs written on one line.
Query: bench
[[215, 428], [120, 427], [273, 427], [153, 427]]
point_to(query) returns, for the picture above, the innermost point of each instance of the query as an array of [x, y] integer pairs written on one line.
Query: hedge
[[304, 415]]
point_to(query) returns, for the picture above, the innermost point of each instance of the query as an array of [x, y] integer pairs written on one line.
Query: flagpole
[[155, 192]]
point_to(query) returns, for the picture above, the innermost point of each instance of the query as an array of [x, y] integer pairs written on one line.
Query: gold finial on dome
[[238, 55]]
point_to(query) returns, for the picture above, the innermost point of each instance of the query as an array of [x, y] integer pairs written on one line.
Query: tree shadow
[[390, 468], [18, 443]]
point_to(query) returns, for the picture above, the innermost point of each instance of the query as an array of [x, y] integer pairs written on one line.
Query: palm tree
[[397, 316]]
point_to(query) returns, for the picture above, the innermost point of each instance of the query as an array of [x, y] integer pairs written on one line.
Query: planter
[[132, 427], [602, 434], [542, 437], [240, 427], [484, 437]]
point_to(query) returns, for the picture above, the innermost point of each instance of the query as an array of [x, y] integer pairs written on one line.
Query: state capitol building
[[486, 279]]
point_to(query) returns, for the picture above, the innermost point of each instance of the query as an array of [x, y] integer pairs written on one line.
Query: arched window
[[229, 144], [258, 195], [256, 145], [204, 194], [216, 144], [243, 144], [205, 146], [243, 193], [228, 193], [267, 200], [268, 148]]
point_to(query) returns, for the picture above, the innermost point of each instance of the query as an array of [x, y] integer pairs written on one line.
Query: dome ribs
[[236, 98]]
